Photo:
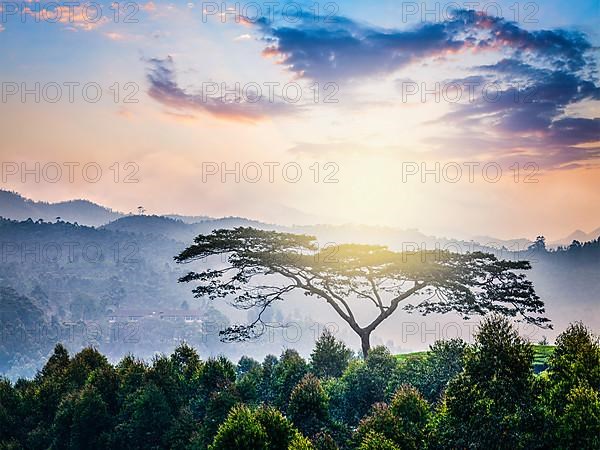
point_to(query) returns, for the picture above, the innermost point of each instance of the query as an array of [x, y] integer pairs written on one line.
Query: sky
[[473, 118]]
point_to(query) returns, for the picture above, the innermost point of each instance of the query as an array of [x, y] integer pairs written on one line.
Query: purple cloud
[[243, 107], [345, 49]]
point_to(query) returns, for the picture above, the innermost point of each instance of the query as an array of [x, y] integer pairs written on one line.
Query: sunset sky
[[365, 95]]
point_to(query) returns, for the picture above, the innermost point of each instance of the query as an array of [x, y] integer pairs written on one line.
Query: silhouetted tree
[[262, 267], [539, 244]]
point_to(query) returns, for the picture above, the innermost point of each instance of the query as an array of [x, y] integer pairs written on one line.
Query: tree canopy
[[489, 397], [259, 267]]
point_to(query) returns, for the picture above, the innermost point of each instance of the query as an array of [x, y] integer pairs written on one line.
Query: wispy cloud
[[164, 89]]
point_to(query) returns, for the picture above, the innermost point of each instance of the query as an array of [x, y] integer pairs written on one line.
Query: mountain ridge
[[85, 212]]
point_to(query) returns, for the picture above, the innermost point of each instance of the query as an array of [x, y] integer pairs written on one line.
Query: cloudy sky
[[455, 118]]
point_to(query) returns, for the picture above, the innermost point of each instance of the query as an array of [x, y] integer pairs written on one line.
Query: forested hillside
[[61, 282]]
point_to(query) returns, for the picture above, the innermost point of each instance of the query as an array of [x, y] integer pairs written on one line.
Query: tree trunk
[[365, 342]]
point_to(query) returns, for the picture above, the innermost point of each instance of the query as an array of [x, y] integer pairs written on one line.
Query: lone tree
[[258, 268]]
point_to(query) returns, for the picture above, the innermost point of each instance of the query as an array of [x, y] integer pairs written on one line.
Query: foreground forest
[[456, 395]]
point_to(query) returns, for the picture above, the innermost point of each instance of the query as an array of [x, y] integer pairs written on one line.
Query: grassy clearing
[[541, 354]]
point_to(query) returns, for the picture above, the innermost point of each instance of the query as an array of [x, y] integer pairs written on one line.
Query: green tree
[[376, 441], [240, 431], [263, 428], [288, 372], [132, 374], [299, 442], [10, 409], [264, 266], [82, 421], [571, 390], [105, 382], [52, 383], [143, 419], [249, 379], [431, 372], [215, 375], [574, 362], [403, 422], [186, 364], [214, 396], [181, 432], [491, 403], [83, 364], [379, 420], [309, 406], [324, 441], [163, 374], [330, 356], [57, 364], [363, 384], [267, 387], [578, 426], [246, 365], [280, 431], [218, 406], [445, 360], [412, 413]]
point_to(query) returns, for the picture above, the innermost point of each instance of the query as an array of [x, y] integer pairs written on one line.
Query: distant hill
[[84, 212], [178, 229], [184, 228], [524, 243], [577, 235], [61, 282], [152, 225], [16, 207]]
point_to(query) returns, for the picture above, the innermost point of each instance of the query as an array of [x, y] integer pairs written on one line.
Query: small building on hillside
[[172, 315]]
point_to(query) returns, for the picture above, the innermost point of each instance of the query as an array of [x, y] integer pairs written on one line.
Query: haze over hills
[[84, 212], [53, 271]]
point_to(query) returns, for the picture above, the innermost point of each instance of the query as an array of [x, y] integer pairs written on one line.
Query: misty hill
[[179, 229], [14, 206], [153, 226], [577, 235], [62, 282], [182, 227], [84, 212]]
